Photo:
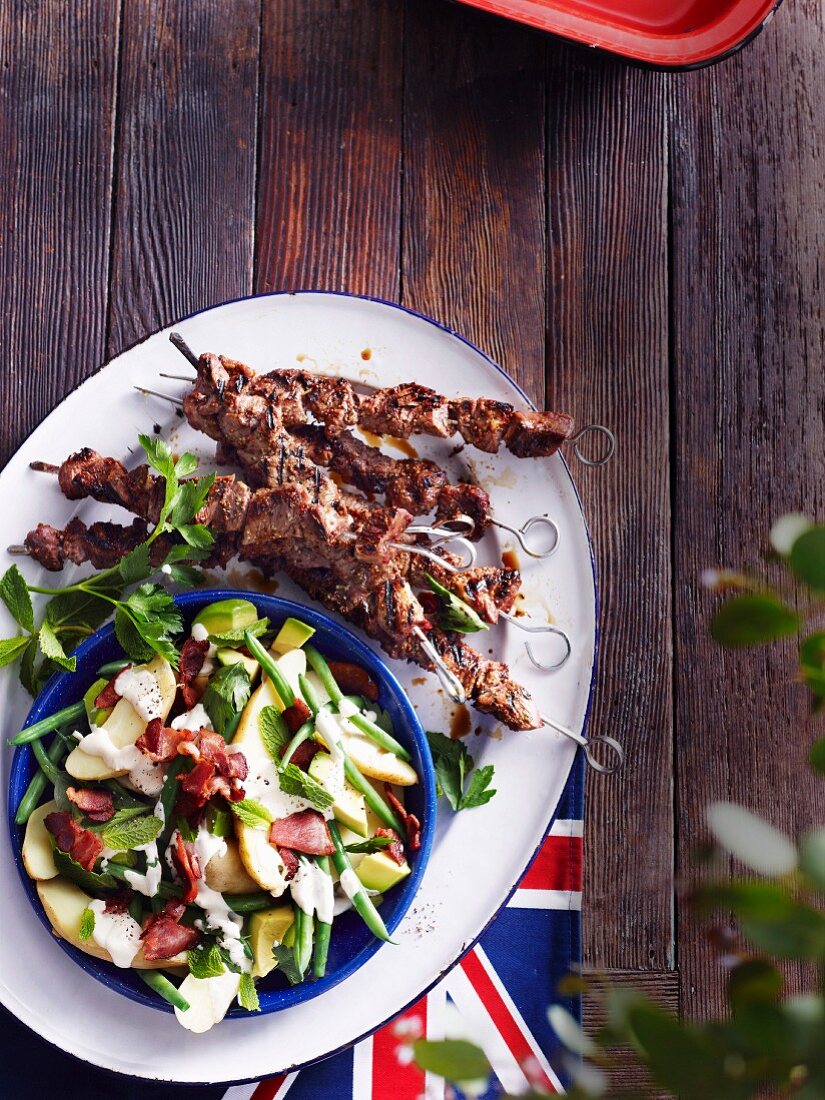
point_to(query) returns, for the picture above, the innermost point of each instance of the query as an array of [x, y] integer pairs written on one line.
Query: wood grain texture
[[748, 157], [474, 182], [58, 67], [185, 164], [607, 359], [329, 196]]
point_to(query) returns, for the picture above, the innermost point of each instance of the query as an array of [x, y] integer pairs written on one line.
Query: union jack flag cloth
[[497, 995]]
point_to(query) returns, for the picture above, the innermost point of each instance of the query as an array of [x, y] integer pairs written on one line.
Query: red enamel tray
[[668, 34]]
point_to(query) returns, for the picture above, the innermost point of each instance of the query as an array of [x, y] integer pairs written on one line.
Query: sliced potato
[[260, 858], [124, 725], [378, 763], [64, 904], [209, 1000], [37, 845], [226, 872]]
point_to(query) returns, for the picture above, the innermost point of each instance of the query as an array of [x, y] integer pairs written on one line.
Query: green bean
[[164, 988], [322, 671], [46, 725], [112, 668], [371, 796], [46, 763], [248, 903], [303, 940], [168, 795], [361, 900], [323, 932], [37, 785], [267, 663], [305, 731], [310, 696], [379, 736], [123, 797]]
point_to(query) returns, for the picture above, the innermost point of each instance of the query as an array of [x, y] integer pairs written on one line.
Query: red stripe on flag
[[394, 1077], [507, 1026], [268, 1090], [558, 865]]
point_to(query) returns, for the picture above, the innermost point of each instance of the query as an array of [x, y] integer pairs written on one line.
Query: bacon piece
[[192, 657], [109, 697], [412, 826], [290, 863], [229, 764], [160, 743], [98, 806], [305, 831], [354, 680], [163, 937], [296, 715], [188, 867], [303, 754], [83, 846], [395, 849], [119, 902]]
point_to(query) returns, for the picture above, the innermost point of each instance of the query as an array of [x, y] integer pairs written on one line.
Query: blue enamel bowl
[[352, 944]]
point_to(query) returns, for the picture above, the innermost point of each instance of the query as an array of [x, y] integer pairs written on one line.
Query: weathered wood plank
[[474, 181], [329, 199], [58, 66], [748, 156], [608, 360], [185, 162]]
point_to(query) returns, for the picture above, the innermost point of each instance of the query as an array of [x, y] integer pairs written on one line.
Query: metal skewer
[[547, 629]]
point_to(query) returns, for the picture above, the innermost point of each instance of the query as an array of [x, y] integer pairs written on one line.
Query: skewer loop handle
[[535, 524], [594, 429]]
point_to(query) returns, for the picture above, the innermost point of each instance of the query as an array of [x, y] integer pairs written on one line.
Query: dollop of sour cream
[[312, 891], [117, 933], [142, 690], [194, 719]]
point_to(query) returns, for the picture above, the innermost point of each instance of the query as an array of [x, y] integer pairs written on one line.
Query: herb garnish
[[455, 613], [294, 781], [453, 764], [248, 994], [227, 693], [252, 813]]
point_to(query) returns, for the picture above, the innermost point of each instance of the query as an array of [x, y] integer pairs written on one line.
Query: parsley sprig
[[146, 619], [453, 764]]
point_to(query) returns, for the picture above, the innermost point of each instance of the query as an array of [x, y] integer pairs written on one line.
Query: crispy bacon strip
[[303, 755], [305, 832], [296, 715], [83, 846], [119, 902], [192, 656], [354, 680], [290, 863], [160, 743], [163, 937], [98, 806], [109, 697], [412, 825], [188, 867], [395, 849]]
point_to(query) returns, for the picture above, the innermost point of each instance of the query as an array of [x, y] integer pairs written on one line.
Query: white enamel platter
[[479, 855]]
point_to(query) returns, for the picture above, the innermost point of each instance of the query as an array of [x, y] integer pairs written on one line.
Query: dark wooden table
[[647, 250]]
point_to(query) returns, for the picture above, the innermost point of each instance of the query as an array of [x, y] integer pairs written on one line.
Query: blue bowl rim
[[107, 973]]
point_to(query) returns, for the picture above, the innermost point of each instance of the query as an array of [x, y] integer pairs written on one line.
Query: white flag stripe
[[538, 1053], [546, 899], [434, 1086], [362, 1070], [484, 1032], [567, 827], [240, 1092]]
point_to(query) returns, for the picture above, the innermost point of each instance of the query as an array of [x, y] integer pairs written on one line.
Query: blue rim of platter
[[576, 761], [352, 943]]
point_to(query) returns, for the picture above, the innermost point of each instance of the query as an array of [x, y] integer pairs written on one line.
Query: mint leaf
[[134, 833], [274, 732], [753, 619], [294, 781], [252, 813], [248, 994], [11, 648], [50, 647], [807, 558], [128, 813], [367, 847], [136, 566], [28, 670], [227, 693], [478, 793], [14, 592], [285, 961], [455, 613], [205, 962], [87, 924], [80, 609]]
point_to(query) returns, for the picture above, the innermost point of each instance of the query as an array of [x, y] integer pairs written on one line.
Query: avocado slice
[[96, 715], [266, 928], [292, 635], [378, 871], [349, 807], [235, 657], [224, 616]]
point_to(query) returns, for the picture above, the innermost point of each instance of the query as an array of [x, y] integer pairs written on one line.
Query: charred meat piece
[[533, 434], [482, 423], [468, 500], [103, 544], [406, 410], [487, 589]]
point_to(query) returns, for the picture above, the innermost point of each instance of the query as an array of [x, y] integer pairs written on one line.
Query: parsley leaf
[[285, 961], [252, 813], [133, 833], [294, 781], [226, 695], [14, 593], [87, 924], [189, 499], [186, 575], [248, 994], [453, 764], [136, 566], [130, 638], [274, 732], [205, 962]]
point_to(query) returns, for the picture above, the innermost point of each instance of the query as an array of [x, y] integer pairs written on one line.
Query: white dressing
[[312, 891], [143, 774], [117, 933], [218, 917], [194, 719], [142, 690], [350, 883]]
